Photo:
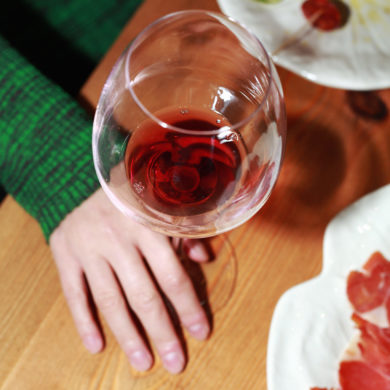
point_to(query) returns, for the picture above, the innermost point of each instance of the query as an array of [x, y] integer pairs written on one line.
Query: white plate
[[356, 56], [311, 325]]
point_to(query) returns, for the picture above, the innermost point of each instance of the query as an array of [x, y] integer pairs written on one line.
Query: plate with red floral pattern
[[338, 43]]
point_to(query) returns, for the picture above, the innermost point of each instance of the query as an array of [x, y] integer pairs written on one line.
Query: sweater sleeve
[[45, 143]]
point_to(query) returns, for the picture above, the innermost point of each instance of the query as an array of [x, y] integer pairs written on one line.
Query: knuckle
[[146, 301], [74, 297], [108, 300], [175, 283], [84, 326]]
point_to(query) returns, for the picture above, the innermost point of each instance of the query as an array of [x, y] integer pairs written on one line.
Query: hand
[[99, 249]]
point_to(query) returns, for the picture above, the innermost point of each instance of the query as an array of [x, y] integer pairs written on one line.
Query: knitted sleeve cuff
[[45, 143]]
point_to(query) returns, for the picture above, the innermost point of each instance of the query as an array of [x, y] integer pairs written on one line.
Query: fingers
[[109, 299], [76, 294], [194, 248], [110, 261], [148, 305], [177, 285]]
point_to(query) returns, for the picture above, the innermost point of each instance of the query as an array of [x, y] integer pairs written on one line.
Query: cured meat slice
[[387, 306], [325, 13], [358, 375], [374, 345], [369, 367], [369, 289]]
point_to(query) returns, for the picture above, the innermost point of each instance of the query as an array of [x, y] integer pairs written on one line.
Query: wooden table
[[338, 149]]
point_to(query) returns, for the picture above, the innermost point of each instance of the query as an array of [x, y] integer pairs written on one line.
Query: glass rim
[[218, 130]]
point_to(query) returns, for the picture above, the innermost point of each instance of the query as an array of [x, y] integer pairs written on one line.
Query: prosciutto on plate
[[367, 367], [369, 288]]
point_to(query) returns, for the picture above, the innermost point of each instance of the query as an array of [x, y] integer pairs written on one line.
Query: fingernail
[[140, 360], [173, 361], [93, 344], [197, 251], [199, 331]]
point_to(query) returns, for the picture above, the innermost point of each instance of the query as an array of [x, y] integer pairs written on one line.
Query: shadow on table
[[319, 167]]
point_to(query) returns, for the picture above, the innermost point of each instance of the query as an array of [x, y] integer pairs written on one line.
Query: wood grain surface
[[338, 149]]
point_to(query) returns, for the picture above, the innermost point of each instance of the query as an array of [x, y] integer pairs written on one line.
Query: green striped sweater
[[45, 137]]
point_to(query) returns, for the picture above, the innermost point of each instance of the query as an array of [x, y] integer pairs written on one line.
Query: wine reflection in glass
[[189, 133]]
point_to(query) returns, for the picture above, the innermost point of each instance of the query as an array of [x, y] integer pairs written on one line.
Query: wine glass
[[190, 128]]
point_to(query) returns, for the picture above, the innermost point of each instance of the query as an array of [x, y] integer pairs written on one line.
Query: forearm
[[45, 143]]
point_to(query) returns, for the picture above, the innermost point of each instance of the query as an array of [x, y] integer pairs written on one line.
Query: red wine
[[184, 173]]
